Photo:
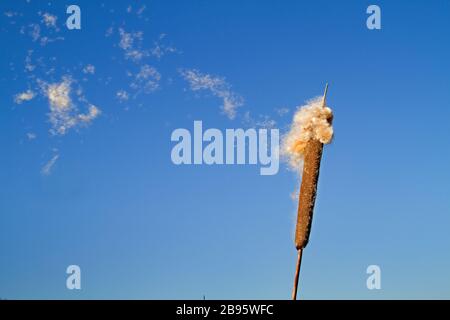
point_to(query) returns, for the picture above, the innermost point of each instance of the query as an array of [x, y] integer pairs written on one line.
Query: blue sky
[[112, 201]]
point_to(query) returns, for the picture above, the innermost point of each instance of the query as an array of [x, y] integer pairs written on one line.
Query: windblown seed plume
[[311, 121]]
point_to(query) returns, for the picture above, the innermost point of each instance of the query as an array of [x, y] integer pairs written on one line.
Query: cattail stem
[[297, 274]]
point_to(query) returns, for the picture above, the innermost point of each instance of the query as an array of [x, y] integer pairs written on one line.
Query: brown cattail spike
[[308, 188]]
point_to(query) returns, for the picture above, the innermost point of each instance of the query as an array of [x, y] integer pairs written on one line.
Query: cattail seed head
[[303, 145]]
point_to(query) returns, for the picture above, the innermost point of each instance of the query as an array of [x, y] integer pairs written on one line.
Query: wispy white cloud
[[29, 67], [217, 86], [59, 94], [282, 111], [10, 14], [92, 113], [141, 10], [138, 11], [64, 114], [143, 76], [131, 44], [146, 80], [109, 31], [31, 136], [126, 40], [160, 49], [24, 96], [49, 20], [122, 95], [45, 35], [47, 168], [37, 35], [35, 31], [61, 106], [46, 40], [136, 54], [89, 69], [261, 121]]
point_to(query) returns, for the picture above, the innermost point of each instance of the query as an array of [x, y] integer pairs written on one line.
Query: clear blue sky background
[[141, 227]]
